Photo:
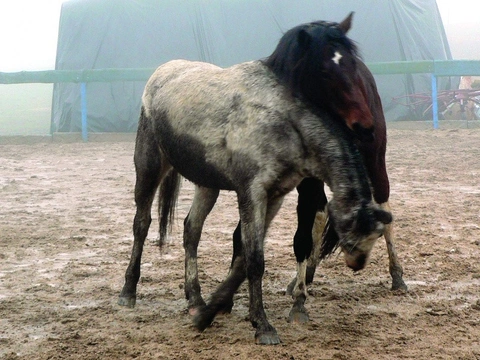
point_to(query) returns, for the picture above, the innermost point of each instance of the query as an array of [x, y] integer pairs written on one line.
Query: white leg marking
[[300, 286]]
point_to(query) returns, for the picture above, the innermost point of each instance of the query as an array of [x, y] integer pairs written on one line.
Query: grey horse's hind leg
[[203, 202], [149, 173], [396, 270]]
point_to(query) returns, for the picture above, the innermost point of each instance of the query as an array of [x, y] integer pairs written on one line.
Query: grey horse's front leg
[[203, 202], [254, 227], [222, 296], [249, 263]]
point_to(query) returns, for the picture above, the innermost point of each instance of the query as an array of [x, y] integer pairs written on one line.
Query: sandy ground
[[66, 213]]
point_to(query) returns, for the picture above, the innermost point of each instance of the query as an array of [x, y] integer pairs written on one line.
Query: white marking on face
[[337, 57]]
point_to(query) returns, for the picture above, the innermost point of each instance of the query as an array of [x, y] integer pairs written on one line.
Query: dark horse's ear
[[304, 39], [346, 24]]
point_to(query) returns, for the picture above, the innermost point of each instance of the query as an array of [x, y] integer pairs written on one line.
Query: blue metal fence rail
[[437, 68]]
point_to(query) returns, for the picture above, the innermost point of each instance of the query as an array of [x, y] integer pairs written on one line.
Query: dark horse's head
[[319, 63]]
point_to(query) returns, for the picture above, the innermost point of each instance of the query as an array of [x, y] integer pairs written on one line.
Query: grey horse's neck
[[345, 172]]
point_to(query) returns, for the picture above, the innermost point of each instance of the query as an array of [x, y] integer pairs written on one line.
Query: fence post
[[83, 105], [434, 101]]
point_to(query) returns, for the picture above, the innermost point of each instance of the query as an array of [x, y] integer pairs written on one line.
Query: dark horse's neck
[[300, 61]]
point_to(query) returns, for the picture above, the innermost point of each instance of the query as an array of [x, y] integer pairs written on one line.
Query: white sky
[[29, 29], [28, 34], [461, 19]]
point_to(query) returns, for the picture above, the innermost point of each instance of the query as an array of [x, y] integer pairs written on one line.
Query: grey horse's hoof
[[127, 301], [204, 317], [397, 281], [399, 285], [267, 338]]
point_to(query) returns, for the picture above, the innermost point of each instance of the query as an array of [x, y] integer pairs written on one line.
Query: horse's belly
[[189, 156], [201, 173]]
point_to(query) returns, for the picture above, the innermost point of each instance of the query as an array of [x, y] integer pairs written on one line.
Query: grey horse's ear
[[304, 39], [383, 216], [346, 23]]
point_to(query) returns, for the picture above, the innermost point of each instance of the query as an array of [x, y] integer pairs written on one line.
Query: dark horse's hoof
[[298, 316], [195, 306], [196, 309], [267, 338], [127, 301]]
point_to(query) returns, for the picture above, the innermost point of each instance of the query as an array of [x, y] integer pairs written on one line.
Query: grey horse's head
[[358, 231]]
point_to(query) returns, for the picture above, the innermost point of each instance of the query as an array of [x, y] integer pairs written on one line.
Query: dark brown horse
[[312, 203], [245, 129]]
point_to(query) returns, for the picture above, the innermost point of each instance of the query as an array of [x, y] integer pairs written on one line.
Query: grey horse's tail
[[167, 202]]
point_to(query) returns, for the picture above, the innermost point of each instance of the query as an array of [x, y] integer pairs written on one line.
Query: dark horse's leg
[[203, 202], [311, 200], [395, 267], [149, 173], [248, 263], [374, 159], [396, 270]]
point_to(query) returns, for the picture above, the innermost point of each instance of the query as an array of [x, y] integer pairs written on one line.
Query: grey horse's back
[[222, 116]]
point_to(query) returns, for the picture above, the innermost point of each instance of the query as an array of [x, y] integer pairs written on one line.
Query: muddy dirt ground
[[66, 213]]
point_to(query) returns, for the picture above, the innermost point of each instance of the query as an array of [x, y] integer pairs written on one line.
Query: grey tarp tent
[[96, 34]]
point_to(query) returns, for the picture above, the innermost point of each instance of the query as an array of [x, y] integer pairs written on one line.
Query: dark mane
[[302, 60]]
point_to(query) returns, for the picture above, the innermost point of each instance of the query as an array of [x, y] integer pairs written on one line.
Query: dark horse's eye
[[348, 61], [353, 61]]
